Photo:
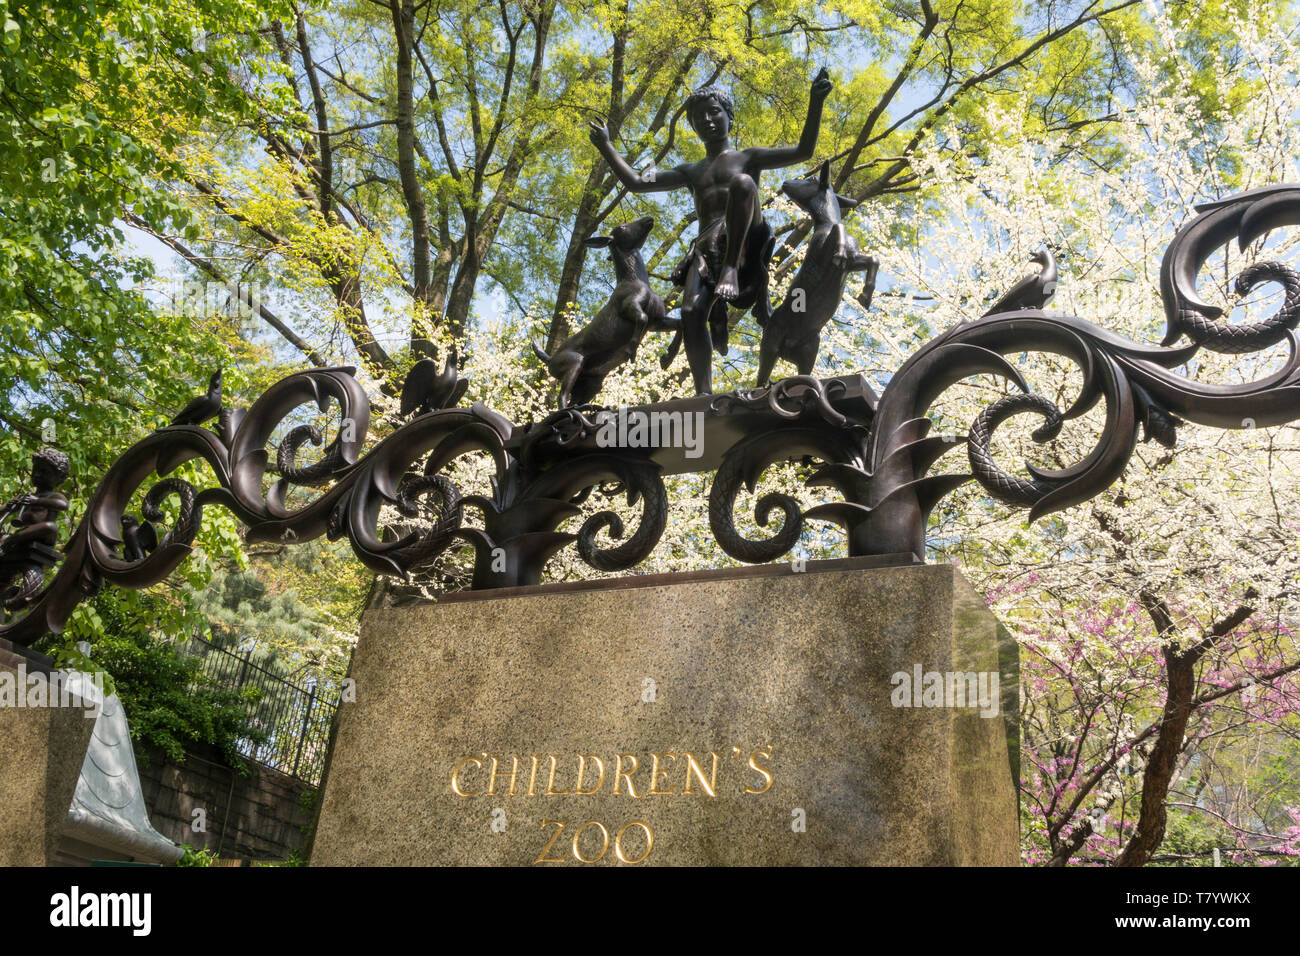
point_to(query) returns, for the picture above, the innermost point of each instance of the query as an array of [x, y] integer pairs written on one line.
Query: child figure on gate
[[728, 261], [30, 548]]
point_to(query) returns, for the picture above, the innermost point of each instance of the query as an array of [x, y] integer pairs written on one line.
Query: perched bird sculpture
[[204, 407], [138, 540], [426, 389], [1031, 292]]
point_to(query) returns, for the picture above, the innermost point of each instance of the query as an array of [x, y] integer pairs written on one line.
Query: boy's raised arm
[[660, 180], [778, 156]]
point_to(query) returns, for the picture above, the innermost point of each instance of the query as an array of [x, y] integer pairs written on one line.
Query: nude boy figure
[[727, 262]]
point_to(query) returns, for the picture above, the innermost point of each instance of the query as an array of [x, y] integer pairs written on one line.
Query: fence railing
[[295, 719]]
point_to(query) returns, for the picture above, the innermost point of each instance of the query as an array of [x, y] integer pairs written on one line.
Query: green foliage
[[91, 96], [299, 604], [196, 857], [90, 93], [295, 858], [483, 144], [168, 702], [71, 657], [1190, 840]]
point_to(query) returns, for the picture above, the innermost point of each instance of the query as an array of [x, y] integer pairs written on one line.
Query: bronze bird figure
[[138, 540], [204, 407], [1031, 292], [426, 389]]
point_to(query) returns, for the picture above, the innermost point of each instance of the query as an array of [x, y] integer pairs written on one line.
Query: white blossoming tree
[[1145, 613]]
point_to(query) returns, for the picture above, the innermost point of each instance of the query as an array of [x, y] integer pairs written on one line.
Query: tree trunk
[[416, 210], [575, 260], [346, 286], [1180, 670]]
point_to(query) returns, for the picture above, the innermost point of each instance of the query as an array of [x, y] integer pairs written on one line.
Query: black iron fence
[[295, 719]]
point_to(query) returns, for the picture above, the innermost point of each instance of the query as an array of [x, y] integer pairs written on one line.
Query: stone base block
[[43, 742], [848, 714]]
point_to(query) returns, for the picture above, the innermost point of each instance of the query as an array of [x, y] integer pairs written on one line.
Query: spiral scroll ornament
[[316, 474], [1255, 336], [1009, 488], [646, 486], [437, 500], [877, 454]]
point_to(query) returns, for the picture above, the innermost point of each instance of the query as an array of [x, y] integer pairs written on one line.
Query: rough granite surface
[[41, 752], [787, 680]]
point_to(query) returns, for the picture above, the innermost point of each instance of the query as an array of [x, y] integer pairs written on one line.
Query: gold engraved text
[[767, 775], [455, 775]]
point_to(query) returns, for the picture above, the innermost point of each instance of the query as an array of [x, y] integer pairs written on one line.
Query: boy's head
[[50, 469], [705, 97]]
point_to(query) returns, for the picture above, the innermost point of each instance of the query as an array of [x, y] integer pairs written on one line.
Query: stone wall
[[258, 817]]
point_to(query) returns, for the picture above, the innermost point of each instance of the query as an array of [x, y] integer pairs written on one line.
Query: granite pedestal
[[842, 714], [43, 739]]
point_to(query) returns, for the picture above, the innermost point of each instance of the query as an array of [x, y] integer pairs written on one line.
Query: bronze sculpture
[[1033, 291], [727, 262], [204, 407], [29, 549], [875, 451], [581, 362], [426, 389], [793, 331]]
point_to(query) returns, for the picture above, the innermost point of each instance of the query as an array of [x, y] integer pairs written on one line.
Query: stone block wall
[[259, 817]]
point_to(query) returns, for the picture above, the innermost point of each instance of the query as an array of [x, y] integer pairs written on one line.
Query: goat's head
[[814, 194], [629, 237]]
